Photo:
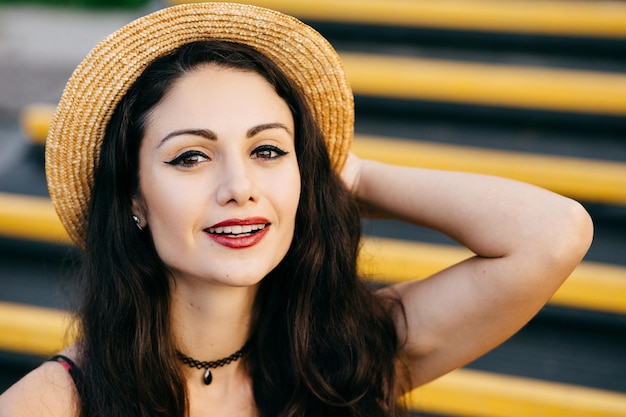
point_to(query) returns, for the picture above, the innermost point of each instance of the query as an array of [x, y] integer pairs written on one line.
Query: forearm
[[492, 216]]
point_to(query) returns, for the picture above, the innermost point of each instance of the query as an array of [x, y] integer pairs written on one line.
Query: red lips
[[239, 233]]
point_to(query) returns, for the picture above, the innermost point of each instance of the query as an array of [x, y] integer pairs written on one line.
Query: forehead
[[221, 97]]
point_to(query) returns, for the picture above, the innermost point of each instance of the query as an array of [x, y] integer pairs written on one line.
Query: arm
[[527, 241], [46, 391]]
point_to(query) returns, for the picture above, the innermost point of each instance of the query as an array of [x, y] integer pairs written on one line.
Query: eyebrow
[[210, 135], [267, 126], [205, 133]]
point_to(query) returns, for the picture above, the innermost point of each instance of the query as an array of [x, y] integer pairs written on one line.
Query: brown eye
[[188, 159], [268, 152]]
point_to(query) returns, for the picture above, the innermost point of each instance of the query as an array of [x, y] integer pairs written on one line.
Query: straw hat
[[103, 77]]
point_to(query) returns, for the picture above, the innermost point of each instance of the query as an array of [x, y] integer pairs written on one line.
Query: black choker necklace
[[208, 365]]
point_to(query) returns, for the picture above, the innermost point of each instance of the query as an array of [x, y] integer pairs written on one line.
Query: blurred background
[[527, 89]]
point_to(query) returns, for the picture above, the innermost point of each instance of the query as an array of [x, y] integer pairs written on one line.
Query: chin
[[240, 278]]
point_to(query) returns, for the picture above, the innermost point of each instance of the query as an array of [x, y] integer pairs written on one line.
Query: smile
[[236, 229], [239, 233]]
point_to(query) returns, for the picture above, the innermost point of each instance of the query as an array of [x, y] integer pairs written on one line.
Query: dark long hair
[[322, 344]]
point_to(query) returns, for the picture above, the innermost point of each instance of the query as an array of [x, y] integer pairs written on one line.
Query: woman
[[220, 240]]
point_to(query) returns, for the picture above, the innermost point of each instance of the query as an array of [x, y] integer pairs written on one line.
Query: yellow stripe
[[35, 121], [579, 18], [391, 261], [33, 330], [487, 84], [455, 82], [582, 179], [591, 286], [43, 331], [29, 217], [472, 393], [594, 286]]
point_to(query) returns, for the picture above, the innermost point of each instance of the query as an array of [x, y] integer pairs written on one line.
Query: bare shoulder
[[46, 391]]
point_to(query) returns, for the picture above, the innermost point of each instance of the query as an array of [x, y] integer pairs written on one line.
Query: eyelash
[[270, 151], [183, 159], [190, 158]]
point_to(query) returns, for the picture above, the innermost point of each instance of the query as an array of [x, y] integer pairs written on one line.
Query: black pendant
[[208, 377]]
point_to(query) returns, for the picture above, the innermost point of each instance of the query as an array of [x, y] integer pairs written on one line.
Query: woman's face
[[218, 176]]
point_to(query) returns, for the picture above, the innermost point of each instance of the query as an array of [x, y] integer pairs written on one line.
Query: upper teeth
[[235, 230]]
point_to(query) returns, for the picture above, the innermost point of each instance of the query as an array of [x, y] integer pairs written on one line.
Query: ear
[[138, 208]]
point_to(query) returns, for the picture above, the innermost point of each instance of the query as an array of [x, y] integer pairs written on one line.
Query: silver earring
[[137, 222]]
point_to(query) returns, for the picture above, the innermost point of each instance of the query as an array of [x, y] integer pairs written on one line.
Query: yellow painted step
[[44, 331], [411, 78], [538, 88], [548, 17], [470, 393], [582, 179], [33, 330], [35, 121], [592, 286], [30, 218]]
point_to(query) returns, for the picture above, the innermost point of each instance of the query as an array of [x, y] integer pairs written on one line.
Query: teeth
[[236, 230]]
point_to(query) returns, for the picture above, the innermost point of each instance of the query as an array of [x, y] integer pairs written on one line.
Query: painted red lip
[[239, 239], [240, 222]]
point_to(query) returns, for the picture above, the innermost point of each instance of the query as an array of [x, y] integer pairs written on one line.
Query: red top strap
[[69, 366]]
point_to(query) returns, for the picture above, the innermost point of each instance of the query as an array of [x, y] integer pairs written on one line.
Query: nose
[[236, 183]]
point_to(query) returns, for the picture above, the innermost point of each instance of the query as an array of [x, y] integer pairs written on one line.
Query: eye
[[188, 159], [268, 152]]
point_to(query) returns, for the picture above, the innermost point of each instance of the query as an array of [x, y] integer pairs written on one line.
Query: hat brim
[[105, 75]]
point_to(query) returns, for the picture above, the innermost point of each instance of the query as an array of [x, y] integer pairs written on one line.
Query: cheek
[[282, 192], [167, 204], [290, 197], [295, 197]]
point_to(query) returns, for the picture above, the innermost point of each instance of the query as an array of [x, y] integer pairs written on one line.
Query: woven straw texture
[[103, 77]]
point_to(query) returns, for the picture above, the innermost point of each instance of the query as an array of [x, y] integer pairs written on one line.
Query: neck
[[211, 322]]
